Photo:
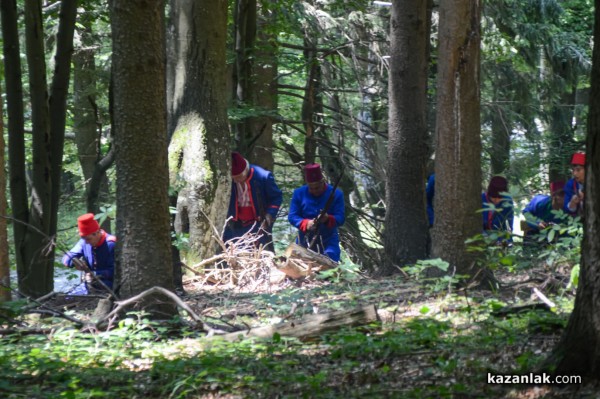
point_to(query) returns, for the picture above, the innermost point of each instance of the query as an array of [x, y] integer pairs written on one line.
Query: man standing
[[574, 188], [94, 254], [308, 202], [254, 203]]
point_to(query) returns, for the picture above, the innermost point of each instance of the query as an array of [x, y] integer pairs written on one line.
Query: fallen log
[[310, 326]]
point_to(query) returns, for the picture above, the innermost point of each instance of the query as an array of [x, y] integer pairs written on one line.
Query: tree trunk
[[312, 102], [16, 135], [578, 352], [35, 227], [561, 145], [36, 271], [199, 154], [86, 121], [4, 265], [458, 154], [58, 105], [264, 79], [141, 147], [406, 234], [500, 151]]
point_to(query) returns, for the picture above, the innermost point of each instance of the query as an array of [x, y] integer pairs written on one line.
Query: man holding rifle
[[317, 209], [94, 255]]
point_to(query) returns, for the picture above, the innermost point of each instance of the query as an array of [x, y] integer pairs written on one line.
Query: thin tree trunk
[[87, 124], [58, 103], [16, 135], [264, 80], [312, 101], [4, 259]]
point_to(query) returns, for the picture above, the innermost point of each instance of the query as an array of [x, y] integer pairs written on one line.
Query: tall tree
[[254, 80], [407, 137], [4, 265], [458, 151], [141, 145], [199, 153], [36, 225], [87, 123], [578, 352]]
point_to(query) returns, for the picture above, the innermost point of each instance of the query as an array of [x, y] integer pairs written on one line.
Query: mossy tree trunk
[[199, 152]]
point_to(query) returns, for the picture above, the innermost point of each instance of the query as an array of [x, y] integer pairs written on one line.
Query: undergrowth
[[437, 340]]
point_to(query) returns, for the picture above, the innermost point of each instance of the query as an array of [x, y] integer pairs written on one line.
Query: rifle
[[317, 220]]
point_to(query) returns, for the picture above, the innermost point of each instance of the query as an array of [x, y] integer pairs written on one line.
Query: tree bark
[[34, 250], [86, 121], [199, 153], [5, 294], [58, 104], [264, 79], [406, 233], [144, 250], [458, 154], [16, 135], [578, 352]]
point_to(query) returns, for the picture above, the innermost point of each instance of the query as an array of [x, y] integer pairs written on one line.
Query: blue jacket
[[265, 195], [304, 205], [101, 259], [540, 210], [430, 191], [499, 219], [572, 188]]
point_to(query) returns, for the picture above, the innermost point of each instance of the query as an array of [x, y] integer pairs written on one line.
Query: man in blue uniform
[[498, 214], [574, 187], [254, 203], [307, 203], [430, 192], [94, 254], [539, 212]]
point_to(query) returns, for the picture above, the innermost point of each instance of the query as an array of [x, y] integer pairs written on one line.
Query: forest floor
[[431, 341]]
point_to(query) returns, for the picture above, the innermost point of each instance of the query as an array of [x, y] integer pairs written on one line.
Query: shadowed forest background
[[129, 109]]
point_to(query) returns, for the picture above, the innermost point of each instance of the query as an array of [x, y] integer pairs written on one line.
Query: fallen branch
[[544, 298], [310, 326], [120, 305]]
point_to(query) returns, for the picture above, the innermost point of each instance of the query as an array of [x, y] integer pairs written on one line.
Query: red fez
[[557, 186], [238, 163], [87, 224], [497, 185], [312, 173], [578, 159]]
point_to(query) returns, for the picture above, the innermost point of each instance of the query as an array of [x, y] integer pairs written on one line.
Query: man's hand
[[89, 277], [542, 225], [575, 200], [267, 222], [324, 218], [81, 264]]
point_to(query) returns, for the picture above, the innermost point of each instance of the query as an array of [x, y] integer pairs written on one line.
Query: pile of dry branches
[[243, 263]]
